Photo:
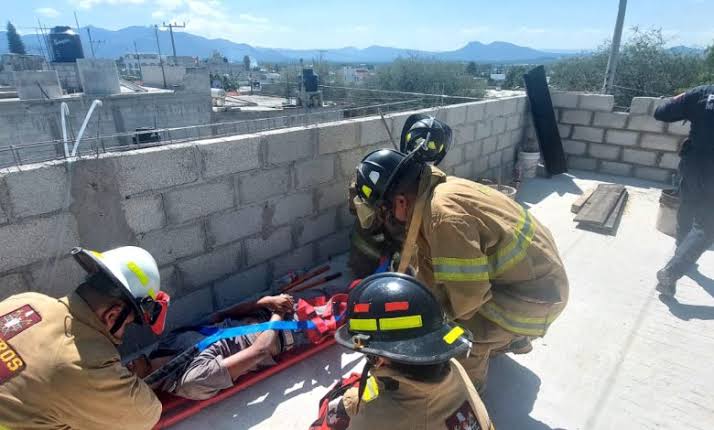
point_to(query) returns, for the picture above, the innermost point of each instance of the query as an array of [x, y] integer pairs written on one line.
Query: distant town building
[[354, 75], [131, 63], [498, 77]]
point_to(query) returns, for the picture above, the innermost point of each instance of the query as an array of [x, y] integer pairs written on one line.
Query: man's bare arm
[[282, 303], [266, 345]]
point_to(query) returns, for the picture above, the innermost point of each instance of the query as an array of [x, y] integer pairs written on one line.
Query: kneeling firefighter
[[380, 240], [411, 379], [492, 265]]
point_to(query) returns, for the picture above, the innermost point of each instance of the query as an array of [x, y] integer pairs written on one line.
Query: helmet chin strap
[[120, 320], [369, 365]]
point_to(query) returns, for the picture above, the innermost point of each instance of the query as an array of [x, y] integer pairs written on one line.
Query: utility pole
[[138, 61], [171, 31], [615, 49], [91, 43], [158, 47]]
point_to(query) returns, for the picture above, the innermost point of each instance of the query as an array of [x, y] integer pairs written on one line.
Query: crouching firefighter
[[491, 264], [59, 366], [410, 380]]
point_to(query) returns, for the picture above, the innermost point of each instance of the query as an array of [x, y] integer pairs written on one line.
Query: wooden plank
[[600, 204], [613, 221], [578, 204]]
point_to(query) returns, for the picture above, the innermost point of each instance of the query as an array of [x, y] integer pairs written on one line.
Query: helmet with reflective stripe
[[395, 316], [376, 174], [135, 272], [420, 127]]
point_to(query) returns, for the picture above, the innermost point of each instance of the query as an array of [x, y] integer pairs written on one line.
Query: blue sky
[[415, 24]]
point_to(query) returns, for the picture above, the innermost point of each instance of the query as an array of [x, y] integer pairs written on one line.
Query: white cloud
[[252, 18], [475, 30], [47, 11], [88, 4], [158, 14]]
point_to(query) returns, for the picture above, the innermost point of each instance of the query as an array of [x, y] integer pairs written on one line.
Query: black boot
[[667, 284]]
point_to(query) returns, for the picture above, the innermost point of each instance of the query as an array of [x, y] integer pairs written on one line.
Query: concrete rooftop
[[618, 357]]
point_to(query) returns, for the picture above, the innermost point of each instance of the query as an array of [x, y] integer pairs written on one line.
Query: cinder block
[[453, 157], [654, 174], [317, 226], [261, 248], [189, 309], [498, 125], [464, 134], [613, 168], [635, 156], [168, 245], [348, 160], [313, 172], [38, 189], [480, 167], [292, 207], [494, 160], [565, 130], [337, 136], [284, 146], [589, 134], [463, 170], [610, 119], [574, 147], [604, 152], [333, 245], [517, 136], [233, 155], [564, 99], [229, 227], [582, 163], [298, 259], [645, 123], [483, 129], [170, 280], [679, 128], [669, 161], [504, 141], [641, 105], [472, 151], [456, 114], [241, 286], [197, 201], [624, 138], [155, 168], [489, 145], [3, 212], [510, 105], [513, 122], [144, 213], [263, 184], [332, 194], [660, 142], [33, 240], [210, 266], [344, 217], [475, 112], [56, 277], [373, 132], [12, 284], [581, 117], [597, 102]]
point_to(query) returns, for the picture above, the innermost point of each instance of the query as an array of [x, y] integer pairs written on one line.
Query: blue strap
[[214, 334]]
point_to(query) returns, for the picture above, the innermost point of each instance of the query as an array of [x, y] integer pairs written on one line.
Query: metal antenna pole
[[138, 61], [615, 49], [158, 47], [91, 43], [171, 27]]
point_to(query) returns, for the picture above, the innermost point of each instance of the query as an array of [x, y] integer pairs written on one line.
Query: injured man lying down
[[220, 364]]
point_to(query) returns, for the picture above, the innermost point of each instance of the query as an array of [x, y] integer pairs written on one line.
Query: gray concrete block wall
[[221, 216], [622, 143]]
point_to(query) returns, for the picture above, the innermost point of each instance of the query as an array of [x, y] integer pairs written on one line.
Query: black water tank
[[66, 45], [310, 80]]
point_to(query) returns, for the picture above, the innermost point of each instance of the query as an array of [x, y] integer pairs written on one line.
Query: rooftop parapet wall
[[222, 216], [633, 143]]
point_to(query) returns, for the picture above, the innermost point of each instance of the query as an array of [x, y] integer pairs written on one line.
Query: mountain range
[[114, 44]]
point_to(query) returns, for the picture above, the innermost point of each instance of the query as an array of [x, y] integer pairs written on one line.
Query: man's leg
[[488, 338]]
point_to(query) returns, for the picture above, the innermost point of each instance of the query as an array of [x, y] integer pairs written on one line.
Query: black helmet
[[395, 316], [376, 174], [415, 132]]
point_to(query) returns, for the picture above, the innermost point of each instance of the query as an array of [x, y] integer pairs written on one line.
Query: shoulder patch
[[463, 419], [11, 364], [17, 321]]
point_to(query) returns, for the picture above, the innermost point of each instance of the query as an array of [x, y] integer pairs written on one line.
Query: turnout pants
[[695, 218]]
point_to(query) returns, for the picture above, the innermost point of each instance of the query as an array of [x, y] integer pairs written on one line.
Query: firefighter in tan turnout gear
[[60, 368], [411, 380], [493, 266]]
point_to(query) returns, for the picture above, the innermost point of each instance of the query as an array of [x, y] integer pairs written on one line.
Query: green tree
[[514, 77], [246, 62], [471, 68], [14, 42], [645, 68]]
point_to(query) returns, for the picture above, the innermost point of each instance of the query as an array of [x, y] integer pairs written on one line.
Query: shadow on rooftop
[[687, 312], [511, 393], [533, 192]]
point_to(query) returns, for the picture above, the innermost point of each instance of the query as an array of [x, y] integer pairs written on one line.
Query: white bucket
[[667, 215], [528, 162]]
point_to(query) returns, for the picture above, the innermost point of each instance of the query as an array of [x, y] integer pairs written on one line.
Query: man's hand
[[282, 303]]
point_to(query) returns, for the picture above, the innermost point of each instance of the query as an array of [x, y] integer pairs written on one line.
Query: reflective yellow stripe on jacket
[[527, 326], [485, 268]]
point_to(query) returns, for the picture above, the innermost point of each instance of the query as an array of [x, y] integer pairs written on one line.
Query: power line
[[171, 27]]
